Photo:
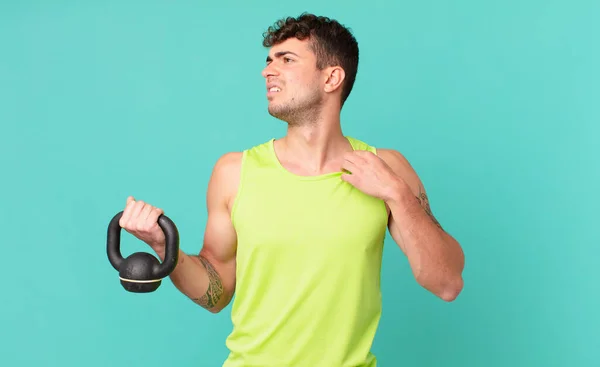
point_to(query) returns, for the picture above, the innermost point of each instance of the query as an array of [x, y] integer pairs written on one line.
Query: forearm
[[196, 277], [436, 258]]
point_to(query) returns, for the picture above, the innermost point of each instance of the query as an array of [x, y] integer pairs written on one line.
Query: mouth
[[273, 89]]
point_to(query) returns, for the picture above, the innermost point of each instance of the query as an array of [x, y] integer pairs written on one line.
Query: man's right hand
[[141, 220]]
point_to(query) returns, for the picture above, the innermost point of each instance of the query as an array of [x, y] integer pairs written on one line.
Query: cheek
[[300, 86], [302, 83]]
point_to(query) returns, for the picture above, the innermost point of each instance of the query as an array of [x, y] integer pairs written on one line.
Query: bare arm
[[209, 277], [435, 257]]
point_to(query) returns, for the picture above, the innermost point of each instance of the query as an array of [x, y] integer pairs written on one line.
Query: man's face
[[294, 84]]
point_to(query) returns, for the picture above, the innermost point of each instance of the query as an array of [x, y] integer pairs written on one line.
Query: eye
[[287, 59]]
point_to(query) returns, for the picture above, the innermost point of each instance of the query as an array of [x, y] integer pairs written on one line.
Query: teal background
[[495, 104]]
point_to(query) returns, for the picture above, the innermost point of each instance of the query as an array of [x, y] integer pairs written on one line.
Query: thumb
[[346, 177]]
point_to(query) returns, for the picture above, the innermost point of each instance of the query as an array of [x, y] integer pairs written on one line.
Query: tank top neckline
[[281, 168]]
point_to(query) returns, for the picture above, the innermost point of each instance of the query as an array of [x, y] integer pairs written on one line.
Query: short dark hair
[[332, 43]]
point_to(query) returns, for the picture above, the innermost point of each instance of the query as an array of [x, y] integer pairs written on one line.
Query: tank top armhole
[[240, 188]]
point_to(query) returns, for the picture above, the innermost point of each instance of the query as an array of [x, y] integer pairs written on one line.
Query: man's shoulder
[[394, 158], [227, 171], [231, 162], [400, 166]]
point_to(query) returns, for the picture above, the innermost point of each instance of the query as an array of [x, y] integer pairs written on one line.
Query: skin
[[309, 102]]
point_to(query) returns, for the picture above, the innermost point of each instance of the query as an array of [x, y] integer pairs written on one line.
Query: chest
[[309, 216]]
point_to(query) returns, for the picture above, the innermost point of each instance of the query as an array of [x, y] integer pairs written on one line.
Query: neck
[[314, 147]]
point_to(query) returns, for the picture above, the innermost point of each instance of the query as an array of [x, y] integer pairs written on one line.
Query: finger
[[368, 157], [143, 222], [348, 177], [356, 157], [154, 214], [127, 212], [135, 212], [350, 157], [349, 166]]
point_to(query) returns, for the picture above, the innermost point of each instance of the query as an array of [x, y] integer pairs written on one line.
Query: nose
[[269, 70]]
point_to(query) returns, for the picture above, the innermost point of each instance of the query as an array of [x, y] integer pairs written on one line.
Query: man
[[296, 225]]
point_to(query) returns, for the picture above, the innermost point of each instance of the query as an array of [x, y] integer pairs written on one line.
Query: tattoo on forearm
[[215, 287], [424, 201]]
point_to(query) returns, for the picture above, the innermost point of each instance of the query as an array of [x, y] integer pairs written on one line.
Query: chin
[[278, 116], [294, 112], [278, 111]]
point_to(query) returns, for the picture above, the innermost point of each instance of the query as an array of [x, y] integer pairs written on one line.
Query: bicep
[[220, 238], [401, 167]]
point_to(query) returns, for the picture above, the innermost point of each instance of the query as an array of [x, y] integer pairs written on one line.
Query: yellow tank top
[[308, 267]]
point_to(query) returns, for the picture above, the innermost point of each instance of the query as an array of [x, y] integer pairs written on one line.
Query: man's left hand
[[371, 175]]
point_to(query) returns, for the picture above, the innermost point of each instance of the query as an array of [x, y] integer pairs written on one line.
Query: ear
[[334, 78]]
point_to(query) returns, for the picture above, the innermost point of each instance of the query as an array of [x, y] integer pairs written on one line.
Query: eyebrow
[[280, 54]]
